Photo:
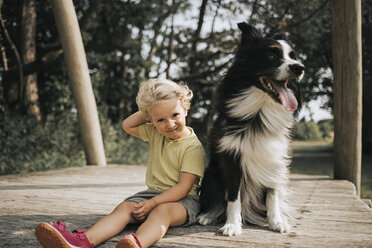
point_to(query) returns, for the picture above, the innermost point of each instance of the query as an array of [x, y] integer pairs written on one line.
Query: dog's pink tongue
[[287, 98]]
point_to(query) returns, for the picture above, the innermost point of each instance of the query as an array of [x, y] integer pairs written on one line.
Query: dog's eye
[[272, 57], [292, 55]]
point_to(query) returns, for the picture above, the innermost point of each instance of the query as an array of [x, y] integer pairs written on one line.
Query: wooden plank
[[327, 212]]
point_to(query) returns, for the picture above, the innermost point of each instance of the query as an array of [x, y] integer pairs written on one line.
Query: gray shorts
[[189, 202]]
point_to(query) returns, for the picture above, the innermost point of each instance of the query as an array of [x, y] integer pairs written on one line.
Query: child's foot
[[129, 241], [56, 236]]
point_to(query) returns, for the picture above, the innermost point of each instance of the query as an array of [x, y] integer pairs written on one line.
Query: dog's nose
[[297, 69]]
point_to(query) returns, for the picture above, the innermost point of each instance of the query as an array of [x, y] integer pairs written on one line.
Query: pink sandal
[[129, 241], [56, 236]]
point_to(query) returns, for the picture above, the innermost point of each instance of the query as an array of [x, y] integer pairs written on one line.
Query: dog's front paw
[[230, 229], [205, 219], [279, 225]]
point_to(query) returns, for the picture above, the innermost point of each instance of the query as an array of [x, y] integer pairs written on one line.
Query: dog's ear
[[248, 32], [281, 36]]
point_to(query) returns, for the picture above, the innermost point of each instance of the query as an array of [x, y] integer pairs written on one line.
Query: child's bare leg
[[111, 224], [158, 221]]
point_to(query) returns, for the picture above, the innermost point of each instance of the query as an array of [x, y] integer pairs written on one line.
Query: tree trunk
[[77, 68], [193, 57], [13, 90], [347, 70], [28, 53], [196, 38]]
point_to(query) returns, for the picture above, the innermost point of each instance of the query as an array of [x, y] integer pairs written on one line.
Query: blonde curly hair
[[153, 91]]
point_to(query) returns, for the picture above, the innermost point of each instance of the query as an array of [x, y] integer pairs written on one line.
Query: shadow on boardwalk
[[327, 213]]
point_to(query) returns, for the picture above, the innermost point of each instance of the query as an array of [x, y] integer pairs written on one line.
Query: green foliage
[[366, 185], [121, 148], [127, 42], [326, 127], [307, 131], [27, 146], [304, 146]]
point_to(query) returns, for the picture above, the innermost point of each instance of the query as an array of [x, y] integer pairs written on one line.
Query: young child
[[174, 170]]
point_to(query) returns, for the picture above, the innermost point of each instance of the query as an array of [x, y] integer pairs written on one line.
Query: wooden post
[[77, 68], [347, 71]]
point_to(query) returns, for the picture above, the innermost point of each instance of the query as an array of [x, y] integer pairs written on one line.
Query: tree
[[128, 41], [326, 127], [307, 131], [28, 49], [13, 90]]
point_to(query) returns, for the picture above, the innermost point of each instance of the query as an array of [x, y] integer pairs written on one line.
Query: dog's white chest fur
[[263, 154]]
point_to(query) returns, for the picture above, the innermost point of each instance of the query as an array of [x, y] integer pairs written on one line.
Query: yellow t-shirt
[[169, 157]]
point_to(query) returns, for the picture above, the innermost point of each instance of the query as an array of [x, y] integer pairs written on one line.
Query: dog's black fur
[[256, 64]]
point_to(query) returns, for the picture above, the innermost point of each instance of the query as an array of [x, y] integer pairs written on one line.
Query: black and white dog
[[254, 112]]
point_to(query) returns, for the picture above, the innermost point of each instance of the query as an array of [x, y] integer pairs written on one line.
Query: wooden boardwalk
[[327, 213]]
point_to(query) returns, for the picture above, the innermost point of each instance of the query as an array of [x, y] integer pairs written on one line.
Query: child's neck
[[188, 132]]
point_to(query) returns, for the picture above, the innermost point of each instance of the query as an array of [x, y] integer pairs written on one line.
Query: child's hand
[[142, 209]]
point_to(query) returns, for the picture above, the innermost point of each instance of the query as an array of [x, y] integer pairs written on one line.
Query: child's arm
[[131, 123], [173, 194]]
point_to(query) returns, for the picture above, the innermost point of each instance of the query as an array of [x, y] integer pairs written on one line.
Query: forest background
[[129, 41]]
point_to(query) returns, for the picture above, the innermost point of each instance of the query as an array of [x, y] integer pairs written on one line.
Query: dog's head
[[270, 64]]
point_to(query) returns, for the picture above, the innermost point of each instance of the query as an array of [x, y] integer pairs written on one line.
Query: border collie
[[253, 114]]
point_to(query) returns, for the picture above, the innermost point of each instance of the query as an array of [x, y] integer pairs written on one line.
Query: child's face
[[169, 118]]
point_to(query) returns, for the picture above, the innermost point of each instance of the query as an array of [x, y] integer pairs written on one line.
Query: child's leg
[[111, 224], [158, 221]]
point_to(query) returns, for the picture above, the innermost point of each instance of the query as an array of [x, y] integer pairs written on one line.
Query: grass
[[316, 158], [312, 146]]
